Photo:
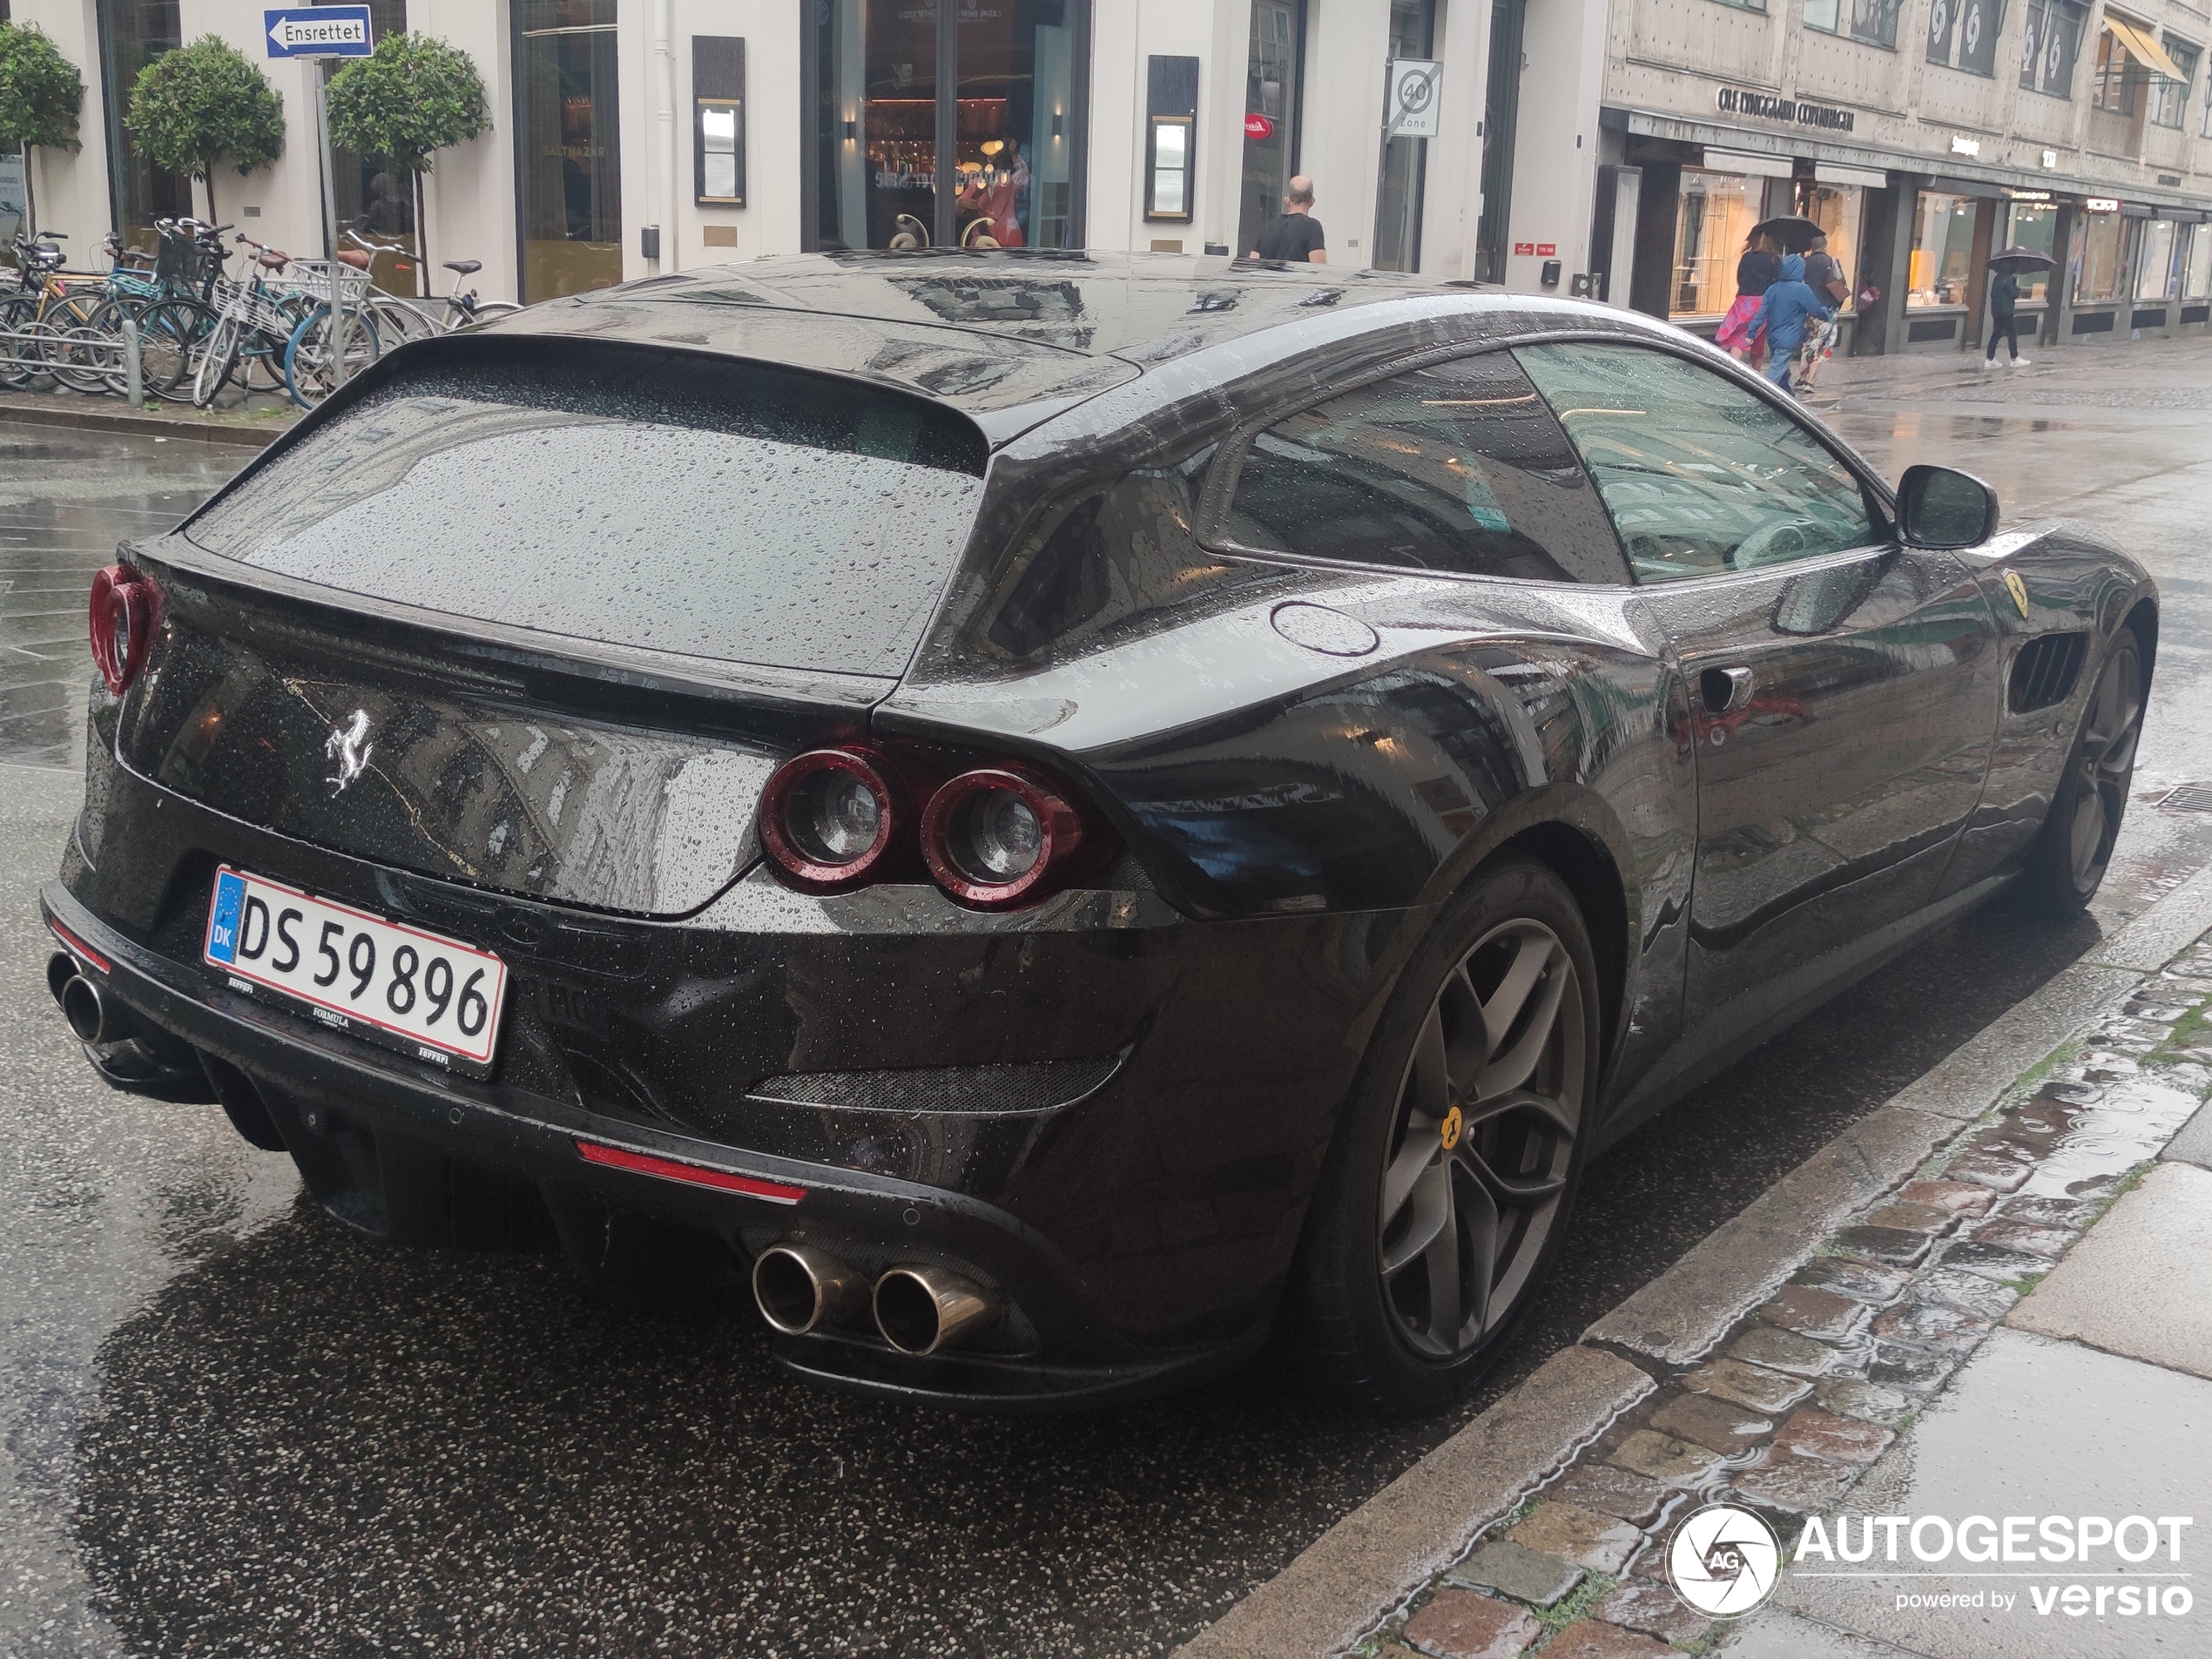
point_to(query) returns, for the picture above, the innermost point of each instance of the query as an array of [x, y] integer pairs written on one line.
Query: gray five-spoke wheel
[[1483, 1139], [2105, 762]]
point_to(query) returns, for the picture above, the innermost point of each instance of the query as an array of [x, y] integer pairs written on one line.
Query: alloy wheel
[[1483, 1140], [2105, 763]]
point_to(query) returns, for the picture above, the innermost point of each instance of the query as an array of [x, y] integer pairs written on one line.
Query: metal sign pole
[[320, 101]]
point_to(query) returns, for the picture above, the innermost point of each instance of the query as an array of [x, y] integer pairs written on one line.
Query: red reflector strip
[[697, 1174], [79, 946]]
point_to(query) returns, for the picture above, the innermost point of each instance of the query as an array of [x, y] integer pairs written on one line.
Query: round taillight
[[829, 816], [122, 620], [997, 837]]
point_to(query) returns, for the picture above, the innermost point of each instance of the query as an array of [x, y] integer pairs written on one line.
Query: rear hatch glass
[[635, 497]]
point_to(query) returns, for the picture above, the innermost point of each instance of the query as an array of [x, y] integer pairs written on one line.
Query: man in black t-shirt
[[1296, 237]]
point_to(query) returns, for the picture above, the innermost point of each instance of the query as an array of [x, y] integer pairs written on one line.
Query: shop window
[[1964, 33], [1871, 21], [1171, 109], [2101, 259], [2169, 96], [1837, 210], [1007, 99], [372, 196], [1713, 219], [1942, 250], [132, 34], [2196, 280], [1274, 59], [718, 119], [569, 146], [2052, 45], [2033, 226], [2158, 271]]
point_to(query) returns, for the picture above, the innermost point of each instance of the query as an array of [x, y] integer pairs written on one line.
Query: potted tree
[[41, 93], [202, 104], [412, 96]]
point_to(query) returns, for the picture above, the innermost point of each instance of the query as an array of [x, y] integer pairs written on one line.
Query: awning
[[2142, 47], [1746, 161]]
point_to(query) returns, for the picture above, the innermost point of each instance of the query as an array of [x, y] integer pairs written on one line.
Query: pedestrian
[[2004, 297], [1755, 273], [1783, 310], [1825, 276], [1295, 237]]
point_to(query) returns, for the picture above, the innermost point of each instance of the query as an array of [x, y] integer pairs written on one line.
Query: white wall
[[469, 196]]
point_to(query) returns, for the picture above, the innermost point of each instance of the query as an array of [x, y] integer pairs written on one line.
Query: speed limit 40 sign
[[1414, 84]]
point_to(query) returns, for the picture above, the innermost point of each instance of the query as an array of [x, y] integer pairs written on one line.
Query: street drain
[[2189, 797]]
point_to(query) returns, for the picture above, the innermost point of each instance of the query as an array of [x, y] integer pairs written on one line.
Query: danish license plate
[[425, 994]]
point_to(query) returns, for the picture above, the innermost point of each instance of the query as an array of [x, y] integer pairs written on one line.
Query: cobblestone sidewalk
[[1791, 1411]]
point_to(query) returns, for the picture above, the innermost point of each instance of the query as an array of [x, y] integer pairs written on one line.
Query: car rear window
[[636, 498]]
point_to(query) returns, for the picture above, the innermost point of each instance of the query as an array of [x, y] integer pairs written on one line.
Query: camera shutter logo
[[1723, 1561]]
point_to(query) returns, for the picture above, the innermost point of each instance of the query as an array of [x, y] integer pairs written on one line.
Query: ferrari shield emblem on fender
[[2018, 588]]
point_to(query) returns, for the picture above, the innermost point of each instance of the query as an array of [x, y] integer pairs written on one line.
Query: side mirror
[[1936, 507]]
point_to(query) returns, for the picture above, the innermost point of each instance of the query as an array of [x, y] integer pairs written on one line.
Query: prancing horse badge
[[2018, 588]]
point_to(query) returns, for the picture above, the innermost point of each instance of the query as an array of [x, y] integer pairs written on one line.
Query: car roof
[[1009, 337]]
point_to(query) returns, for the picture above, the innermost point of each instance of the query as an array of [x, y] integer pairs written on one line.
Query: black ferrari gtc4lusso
[[1065, 813]]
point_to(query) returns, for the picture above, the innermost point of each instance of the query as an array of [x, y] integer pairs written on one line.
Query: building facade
[[633, 138], [1926, 135]]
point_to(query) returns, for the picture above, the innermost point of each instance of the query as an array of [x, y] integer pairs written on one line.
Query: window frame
[[1217, 492], [1880, 500]]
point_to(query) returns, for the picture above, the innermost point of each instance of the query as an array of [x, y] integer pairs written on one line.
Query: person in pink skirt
[[1740, 334]]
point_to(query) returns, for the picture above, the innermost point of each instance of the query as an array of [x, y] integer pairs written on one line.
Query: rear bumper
[[411, 1153]]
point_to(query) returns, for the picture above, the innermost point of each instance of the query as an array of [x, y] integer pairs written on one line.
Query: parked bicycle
[[48, 323], [401, 319]]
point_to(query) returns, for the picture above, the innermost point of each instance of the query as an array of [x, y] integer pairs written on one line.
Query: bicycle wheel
[[399, 320], [169, 334], [87, 352], [308, 359], [21, 367], [218, 356]]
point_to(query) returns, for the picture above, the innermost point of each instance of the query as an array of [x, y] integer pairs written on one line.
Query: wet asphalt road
[[225, 1428]]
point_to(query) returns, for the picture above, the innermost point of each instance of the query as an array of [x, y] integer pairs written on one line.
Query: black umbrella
[[1793, 232], [2021, 259]]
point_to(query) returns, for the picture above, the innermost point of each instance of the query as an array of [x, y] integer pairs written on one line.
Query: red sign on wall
[[1525, 250], [1258, 128], [1546, 250]]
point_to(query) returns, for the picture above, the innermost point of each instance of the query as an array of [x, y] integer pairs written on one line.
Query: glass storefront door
[[569, 182], [2033, 226], [1405, 164], [1272, 68], [371, 195], [1015, 95]]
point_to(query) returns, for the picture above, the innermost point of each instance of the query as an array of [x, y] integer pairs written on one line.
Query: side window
[[1700, 475], [1457, 468]]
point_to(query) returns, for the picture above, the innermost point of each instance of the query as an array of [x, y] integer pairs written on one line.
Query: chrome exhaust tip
[[925, 1310], [801, 1289], [94, 1016], [61, 967]]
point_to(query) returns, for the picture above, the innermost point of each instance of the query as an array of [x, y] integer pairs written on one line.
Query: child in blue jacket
[[1783, 314]]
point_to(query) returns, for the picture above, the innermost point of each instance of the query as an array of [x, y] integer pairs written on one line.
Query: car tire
[[2068, 862], [1392, 1233]]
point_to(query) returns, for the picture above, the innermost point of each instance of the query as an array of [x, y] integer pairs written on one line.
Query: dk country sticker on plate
[[425, 994]]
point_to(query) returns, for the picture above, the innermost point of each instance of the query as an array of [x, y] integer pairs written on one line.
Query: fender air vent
[[2044, 672]]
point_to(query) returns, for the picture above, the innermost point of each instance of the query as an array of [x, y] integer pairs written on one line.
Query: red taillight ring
[[1061, 827], [796, 861], [120, 592]]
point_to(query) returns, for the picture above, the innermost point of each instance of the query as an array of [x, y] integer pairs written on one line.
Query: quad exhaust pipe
[[92, 1015], [919, 1309]]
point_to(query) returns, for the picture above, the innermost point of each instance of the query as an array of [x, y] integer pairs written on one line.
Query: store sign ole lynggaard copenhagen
[[1784, 111], [318, 31]]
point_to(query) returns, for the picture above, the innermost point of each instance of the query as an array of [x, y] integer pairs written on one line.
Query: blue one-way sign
[[318, 31]]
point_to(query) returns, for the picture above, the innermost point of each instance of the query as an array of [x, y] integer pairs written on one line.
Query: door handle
[[1724, 690]]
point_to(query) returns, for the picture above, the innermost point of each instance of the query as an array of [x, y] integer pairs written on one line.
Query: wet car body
[[1110, 1107]]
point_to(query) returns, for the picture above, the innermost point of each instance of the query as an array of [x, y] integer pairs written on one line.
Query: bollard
[[134, 368]]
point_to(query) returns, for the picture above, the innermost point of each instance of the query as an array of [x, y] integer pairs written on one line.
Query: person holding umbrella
[[1789, 305], [1755, 273], [2004, 298]]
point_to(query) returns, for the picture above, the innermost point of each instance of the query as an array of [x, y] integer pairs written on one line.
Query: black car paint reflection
[[1111, 1106]]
